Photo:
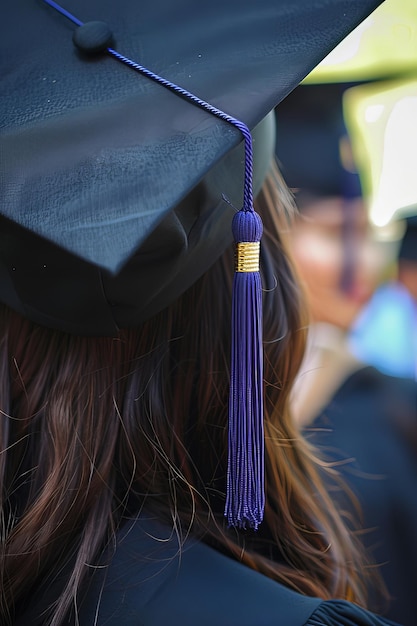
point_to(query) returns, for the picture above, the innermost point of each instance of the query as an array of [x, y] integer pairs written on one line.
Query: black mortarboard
[[122, 125], [94, 155]]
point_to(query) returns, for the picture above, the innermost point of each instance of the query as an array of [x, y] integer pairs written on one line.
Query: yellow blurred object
[[384, 45], [381, 119]]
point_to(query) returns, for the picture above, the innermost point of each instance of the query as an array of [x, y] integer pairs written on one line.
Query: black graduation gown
[[151, 582], [370, 429]]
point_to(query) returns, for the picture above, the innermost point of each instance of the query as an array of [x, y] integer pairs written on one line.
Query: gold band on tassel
[[247, 256]]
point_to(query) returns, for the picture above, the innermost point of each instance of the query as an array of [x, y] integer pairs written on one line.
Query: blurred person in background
[[364, 421]]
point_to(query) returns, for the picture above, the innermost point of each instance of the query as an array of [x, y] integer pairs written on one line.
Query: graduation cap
[[122, 134]]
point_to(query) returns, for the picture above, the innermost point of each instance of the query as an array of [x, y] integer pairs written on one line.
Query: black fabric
[[336, 612], [152, 580], [408, 247], [370, 430], [95, 155]]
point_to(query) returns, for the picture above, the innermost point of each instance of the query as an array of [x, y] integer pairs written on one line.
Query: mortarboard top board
[[111, 185]]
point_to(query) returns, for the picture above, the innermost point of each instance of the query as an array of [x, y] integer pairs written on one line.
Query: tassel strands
[[245, 499]]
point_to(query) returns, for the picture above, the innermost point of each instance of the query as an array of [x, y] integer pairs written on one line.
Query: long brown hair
[[92, 429]]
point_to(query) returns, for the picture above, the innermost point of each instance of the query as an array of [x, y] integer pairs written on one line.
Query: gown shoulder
[[153, 580]]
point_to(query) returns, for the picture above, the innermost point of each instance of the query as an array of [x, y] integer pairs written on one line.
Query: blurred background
[[346, 142]]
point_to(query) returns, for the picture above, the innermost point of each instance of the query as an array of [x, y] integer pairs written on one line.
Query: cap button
[[92, 37]]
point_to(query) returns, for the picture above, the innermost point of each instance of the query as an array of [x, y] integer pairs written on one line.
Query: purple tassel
[[245, 499]]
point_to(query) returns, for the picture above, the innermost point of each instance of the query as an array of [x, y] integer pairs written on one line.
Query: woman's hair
[[94, 429]]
